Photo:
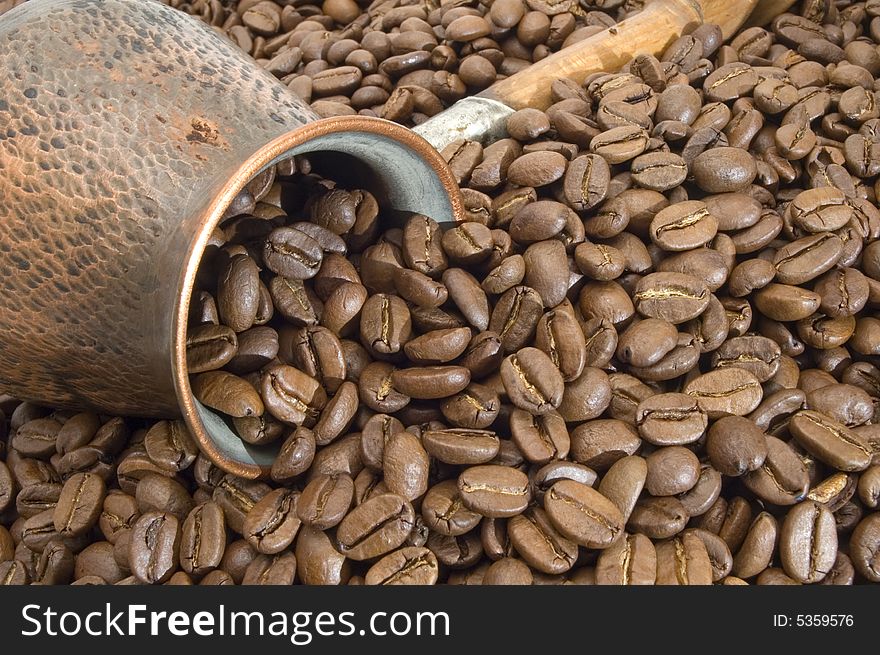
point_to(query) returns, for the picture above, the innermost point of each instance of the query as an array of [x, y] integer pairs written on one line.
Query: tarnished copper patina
[[126, 129]]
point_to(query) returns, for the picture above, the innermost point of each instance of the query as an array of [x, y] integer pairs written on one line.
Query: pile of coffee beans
[[648, 356]]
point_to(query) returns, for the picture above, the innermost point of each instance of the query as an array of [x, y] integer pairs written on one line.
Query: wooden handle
[[650, 31], [766, 11]]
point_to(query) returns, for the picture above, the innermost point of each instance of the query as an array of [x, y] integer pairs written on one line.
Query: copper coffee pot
[[127, 128]]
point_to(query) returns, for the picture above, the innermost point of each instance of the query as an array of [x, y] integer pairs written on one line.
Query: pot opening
[[398, 167]]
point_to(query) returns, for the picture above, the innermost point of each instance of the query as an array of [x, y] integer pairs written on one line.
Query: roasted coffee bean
[[411, 565], [783, 302], [386, 324], [202, 539], [830, 441], [476, 407], [163, 494], [170, 445], [461, 446], [756, 354], [444, 511], [683, 560], [295, 456], [431, 382], [808, 542], [583, 514], [79, 504], [154, 547], [864, 545], [673, 297], [724, 170], [532, 381], [845, 403], [494, 491], [683, 226], [375, 527], [291, 396], [586, 181], [807, 258], [227, 393], [316, 351], [406, 464], [726, 391], [209, 347], [782, 479], [438, 346], [600, 443], [516, 316], [672, 470], [292, 254], [37, 438], [735, 446], [620, 144], [756, 552], [670, 419], [646, 342], [325, 500], [632, 560], [540, 438], [658, 518], [540, 544], [468, 297]]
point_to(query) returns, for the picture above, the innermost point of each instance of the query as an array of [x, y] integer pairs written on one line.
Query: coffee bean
[[583, 514], [443, 510], [726, 391], [532, 382], [202, 539], [864, 545], [735, 446], [494, 491], [295, 456], [540, 544], [540, 438], [830, 441], [291, 396], [324, 502], [670, 419], [683, 226], [375, 527], [406, 465], [683, 560], [406, 566], [808, 542], [620, 144], [632, 560], [227, 393], [431, 382], [782, 479], [79, 504], [646, 342], [170, 445], [673, 297], [586, 397], [476, 407], [516, 316], [154, 547], [672, 470], [807, 258], [658, 518]]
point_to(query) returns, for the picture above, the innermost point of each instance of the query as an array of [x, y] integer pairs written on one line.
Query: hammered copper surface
[[124, 130], [105, 166]]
